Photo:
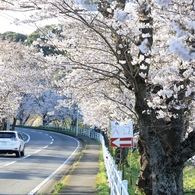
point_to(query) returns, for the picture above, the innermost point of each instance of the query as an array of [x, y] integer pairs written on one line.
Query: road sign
[[121, 142], [59, 90], [121, 136]]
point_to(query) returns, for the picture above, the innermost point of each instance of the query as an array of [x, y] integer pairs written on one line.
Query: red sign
[[59, 90], [121, 135], [121, 142]]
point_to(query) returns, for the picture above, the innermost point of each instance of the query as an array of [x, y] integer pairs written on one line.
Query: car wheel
[[18, 154], [22, 153]]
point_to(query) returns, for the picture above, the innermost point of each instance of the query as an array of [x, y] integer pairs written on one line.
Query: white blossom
[[143, 47]]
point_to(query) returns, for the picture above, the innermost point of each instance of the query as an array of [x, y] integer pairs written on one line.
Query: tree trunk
[[44, 120], [160, 173], [26, 119], [21, 121], [144, 183], [3, 124], [159, 176], [14, 124]]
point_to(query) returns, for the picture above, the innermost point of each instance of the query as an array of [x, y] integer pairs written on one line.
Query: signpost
[[59, 90], [121, 136]]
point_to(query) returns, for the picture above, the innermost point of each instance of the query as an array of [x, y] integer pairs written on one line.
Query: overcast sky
[[7, 23]]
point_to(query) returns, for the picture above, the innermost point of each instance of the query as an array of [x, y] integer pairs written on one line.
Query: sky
[[7, 22]]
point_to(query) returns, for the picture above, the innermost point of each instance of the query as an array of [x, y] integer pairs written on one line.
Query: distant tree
[[45, 103], [16, 37], [33, 37]]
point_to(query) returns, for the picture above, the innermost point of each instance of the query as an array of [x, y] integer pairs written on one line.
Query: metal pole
[[130, 170], [77, 123]]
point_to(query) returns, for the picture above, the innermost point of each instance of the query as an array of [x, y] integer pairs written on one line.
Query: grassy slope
[[102, 183], [189, 176], [189, 179]]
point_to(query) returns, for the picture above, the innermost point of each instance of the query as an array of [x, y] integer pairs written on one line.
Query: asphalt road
[[46, 155]]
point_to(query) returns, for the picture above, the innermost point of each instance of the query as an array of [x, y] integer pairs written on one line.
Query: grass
[[189, 179], [102, 183], [49, 128], [132, 176], [58, 186]]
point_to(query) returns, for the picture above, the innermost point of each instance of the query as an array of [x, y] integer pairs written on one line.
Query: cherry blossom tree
[[139, 54], [20, 74], [45, 102], [24, 110], [67, 113]]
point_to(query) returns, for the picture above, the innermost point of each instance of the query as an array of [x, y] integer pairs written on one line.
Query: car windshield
[[7, 135]]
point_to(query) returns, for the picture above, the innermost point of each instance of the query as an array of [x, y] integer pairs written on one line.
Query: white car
[[12, 142]]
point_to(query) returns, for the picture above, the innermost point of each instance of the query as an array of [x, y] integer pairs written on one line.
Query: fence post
[[115, 173], [89, 133], [119, 184], [125, 185]]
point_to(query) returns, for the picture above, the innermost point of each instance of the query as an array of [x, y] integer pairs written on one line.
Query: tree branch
[[185, 151]]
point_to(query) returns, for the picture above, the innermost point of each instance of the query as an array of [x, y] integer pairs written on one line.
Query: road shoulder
[[83, 177]]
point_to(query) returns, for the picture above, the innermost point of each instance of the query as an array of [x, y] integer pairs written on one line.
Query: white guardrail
[[116, 184]]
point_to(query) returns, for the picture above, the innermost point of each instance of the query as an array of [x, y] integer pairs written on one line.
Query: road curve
[[46, 153]]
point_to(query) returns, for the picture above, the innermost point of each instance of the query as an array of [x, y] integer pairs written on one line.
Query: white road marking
[[26, 156], [58, 169], [9, 163], [37, 151], [46, 146], [51, 143]]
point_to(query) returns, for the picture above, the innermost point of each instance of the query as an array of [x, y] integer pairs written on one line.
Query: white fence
[[117, 185]]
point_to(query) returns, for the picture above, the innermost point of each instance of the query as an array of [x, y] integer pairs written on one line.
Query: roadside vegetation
[[103, 186], [189, 179], [102, 182]]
